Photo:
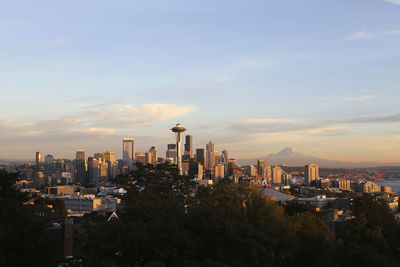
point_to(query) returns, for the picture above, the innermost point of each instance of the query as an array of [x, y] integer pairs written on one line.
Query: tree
[[22, 237], [171, 220], [372, 237]]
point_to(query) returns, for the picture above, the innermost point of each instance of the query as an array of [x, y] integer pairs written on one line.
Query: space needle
[[178, 129]]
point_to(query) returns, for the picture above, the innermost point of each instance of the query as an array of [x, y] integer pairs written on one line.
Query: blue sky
[[251, 76]]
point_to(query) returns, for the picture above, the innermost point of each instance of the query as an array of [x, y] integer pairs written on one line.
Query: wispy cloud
[[302, 127], [359, 35], [395, 118], [365, 35], [396, 2], [268, 125], [350, 98], [97, 121]]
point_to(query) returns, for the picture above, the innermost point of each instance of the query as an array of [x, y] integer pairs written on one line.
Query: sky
[[251, 76]]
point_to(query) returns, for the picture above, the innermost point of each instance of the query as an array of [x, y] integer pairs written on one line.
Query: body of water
[[394, 184]]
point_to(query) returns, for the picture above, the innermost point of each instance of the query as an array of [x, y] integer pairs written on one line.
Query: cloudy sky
[[252, 76]]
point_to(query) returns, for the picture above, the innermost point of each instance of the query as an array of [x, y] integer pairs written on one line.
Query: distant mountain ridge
[[291, 157]]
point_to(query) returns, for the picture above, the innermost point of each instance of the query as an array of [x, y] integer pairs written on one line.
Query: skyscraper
[[276, 175], [109, 159], [39, 158], [80, 168], [128, 151], [140, 157], [171, 153], [225, 154], [48, 164], [80, 154], [189, 145], [93, 171], [261, 164], [154, 155], [200, 156], [311, 172], [148, 157], [210, 156], [109, 156]]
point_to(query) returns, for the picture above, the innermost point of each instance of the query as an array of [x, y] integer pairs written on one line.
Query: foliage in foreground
[[23, 239], [169, 220]]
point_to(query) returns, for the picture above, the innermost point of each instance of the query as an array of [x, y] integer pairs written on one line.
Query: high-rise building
[[99, 155], [39, 158], [140, 157], [93, 171], [311, 172], [80, 154], [80, 165], [48, 164], [148, 157], [171, 153], [276, 175], [251, 170], [225, 155], [200, 156], [128, 151], [109, 159], [210, 156], [219, 171], [109, 156], [261, 165], [189, 145], [154, 155]]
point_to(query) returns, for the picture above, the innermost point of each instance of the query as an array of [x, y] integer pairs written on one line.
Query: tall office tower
[[178, 130], [251, 170], [311, 172], [128, 151], [171, 153], [210, 156], [148, 156], [276, 175], [268, 173], [80, 168], [261, 165], [48, 164], [287, 178], [109, 156], [80, 175], [98, 155], [104, 172], [189, 145], [93, 171], [219, 171], [80, 154], [154, 155], [109, 159], [225, 154], [232, 164], [200, 156], [39, 158], [140, 157]]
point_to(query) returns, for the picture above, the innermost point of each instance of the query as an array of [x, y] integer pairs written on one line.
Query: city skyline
[[240, 74]]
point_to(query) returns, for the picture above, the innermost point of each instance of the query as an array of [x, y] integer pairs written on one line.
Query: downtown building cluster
[[85, 183]]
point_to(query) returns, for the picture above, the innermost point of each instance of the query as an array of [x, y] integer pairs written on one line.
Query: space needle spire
[[178, 130]]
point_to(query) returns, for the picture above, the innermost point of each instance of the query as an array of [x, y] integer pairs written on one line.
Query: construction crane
[[347, 175], [378, 176]]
